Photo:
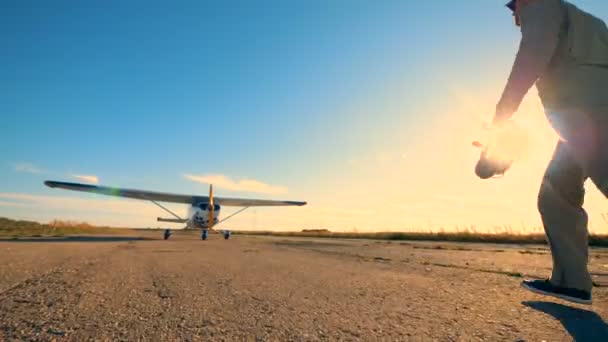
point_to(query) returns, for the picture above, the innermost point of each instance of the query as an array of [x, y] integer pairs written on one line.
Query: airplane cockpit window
[[205, 206]]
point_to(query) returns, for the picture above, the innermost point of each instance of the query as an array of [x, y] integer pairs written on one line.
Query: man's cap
[[511, 5]]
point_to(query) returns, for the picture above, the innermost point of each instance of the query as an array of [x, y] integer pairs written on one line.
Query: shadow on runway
[[582, 325], [74, 239]]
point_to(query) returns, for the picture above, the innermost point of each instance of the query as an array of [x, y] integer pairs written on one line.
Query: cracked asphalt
[[279, 289]]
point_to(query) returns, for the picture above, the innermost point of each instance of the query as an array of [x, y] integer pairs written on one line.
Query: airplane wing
[[167, 197], [241, 202]]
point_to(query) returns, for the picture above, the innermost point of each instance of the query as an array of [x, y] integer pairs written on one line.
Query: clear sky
[[365, 109]]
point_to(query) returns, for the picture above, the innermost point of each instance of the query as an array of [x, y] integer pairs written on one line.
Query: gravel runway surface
[[284, 289]]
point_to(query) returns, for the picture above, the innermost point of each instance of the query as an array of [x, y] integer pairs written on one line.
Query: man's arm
[[541, 22]]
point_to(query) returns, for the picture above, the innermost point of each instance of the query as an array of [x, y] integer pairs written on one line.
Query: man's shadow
[[582, 325]]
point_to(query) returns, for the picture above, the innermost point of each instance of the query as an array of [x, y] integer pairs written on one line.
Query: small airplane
[[204, 211]]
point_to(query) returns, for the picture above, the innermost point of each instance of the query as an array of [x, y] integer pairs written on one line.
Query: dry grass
[[16, 228], [456, 236]]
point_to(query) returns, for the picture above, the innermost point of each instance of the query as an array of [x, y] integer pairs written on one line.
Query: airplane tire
[[205, 235], [167, 234]]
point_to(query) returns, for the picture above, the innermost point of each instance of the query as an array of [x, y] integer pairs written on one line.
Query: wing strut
[[239, 211], [167, 210]]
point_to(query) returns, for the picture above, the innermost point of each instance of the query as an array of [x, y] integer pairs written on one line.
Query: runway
[[279, 289]]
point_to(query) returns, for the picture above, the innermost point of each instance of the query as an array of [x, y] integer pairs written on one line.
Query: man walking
[[564, 51]]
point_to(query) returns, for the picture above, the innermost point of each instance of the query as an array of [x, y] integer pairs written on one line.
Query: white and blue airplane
[[204, 210]]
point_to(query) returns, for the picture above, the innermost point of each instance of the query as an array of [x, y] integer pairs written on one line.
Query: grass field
[[14, 228], [462, 236]]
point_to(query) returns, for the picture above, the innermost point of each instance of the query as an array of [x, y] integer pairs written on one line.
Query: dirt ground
[[296, 289]]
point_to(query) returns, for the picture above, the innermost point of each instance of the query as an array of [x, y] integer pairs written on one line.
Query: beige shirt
[[564, 50]]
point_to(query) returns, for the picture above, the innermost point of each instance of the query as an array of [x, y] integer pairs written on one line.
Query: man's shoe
[[545, 287]]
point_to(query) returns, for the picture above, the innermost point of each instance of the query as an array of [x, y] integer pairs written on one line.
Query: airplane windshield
[[205, 206]]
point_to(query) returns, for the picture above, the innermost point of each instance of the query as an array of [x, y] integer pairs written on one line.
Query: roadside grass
[[18, 228], [456, 236]]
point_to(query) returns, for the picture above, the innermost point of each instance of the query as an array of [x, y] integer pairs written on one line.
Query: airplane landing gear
[[167, 234], [205, 234], [226, 234]]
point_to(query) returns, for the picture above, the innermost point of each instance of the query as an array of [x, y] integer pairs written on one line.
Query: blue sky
[[309, 98]]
